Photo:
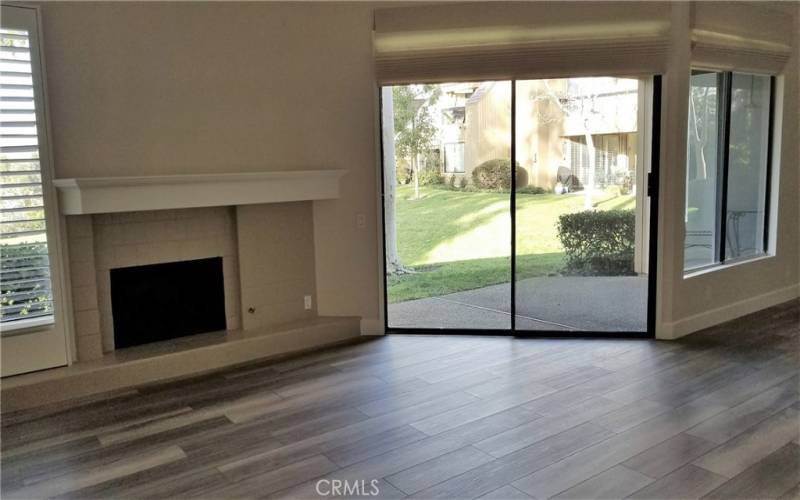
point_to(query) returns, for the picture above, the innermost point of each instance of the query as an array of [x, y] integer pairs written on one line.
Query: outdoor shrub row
[[598, 243]]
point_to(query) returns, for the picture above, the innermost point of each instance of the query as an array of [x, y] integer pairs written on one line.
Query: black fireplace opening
[[165, 301]]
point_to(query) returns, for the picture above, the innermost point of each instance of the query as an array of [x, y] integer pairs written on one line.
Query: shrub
[[404, 175], [452, 182], [429, 176], [462, 183], [496, 175], [21, 263], [532, 190], [598, 243]]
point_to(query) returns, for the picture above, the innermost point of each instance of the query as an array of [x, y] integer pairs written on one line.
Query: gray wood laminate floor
[[714, 415]]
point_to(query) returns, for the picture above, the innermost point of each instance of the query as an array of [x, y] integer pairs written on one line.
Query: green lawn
[[458, 240]]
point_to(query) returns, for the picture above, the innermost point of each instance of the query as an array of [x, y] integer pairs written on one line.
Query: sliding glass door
[[580, 206], [447, 185], [570, 221]]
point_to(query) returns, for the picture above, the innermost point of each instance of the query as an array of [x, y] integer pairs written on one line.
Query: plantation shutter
[[499, 41], [25, 284]]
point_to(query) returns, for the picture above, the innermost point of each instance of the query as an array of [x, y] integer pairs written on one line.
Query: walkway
[[600, 303]]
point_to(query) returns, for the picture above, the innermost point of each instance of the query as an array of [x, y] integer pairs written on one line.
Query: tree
[[413, 123], [700, 101], [579, 105], [393, 263], [408, 131]]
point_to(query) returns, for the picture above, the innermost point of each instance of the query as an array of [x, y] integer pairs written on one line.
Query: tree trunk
[[699, 138], [415, 165], [389, 182], [588, 189]]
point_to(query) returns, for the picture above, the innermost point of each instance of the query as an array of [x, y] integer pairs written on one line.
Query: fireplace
[[163, 301], [274, 243]]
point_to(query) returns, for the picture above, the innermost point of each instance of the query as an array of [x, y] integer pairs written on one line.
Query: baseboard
[[694, 323], [372, 327], [110, 373]]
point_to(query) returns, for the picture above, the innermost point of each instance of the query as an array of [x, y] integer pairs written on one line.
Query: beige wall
[[276, 251], [158, 88], [488, 124], [178, 88]]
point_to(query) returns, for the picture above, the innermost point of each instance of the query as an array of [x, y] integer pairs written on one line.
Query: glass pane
[[701, 171], [447, 178], [25, 287], [581, 218], [747, 171]]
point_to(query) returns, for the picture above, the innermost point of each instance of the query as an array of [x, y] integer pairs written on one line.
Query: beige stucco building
[[552, 119]]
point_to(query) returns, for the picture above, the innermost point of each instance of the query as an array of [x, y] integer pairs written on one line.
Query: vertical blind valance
[[487, 41]]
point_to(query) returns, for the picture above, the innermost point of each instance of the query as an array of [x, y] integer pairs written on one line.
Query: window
[[454, 157], [25, 291], [728, 167]]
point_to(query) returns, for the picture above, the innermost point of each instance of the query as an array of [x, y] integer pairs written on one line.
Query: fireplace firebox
[[165, 301]]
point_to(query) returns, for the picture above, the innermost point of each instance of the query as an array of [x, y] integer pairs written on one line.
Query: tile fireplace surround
[[273, 243], [261, 224], [100, 242]]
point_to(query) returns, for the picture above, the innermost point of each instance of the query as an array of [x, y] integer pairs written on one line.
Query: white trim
[[729, 312], [380, 227], [372, 326], [699, 271], [19, 326], [776, 149], [128, 194], [644, 142], [61, 267]]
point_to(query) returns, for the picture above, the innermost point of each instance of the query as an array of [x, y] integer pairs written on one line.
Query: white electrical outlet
[[307, 302]]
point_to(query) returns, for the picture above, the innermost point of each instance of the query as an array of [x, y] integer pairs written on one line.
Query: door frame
[[651, 148]]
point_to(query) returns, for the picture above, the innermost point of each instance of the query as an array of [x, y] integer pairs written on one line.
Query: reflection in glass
[[701, 171], [747, 171]]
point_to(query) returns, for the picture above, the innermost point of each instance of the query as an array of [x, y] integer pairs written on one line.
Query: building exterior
[[553, 117]]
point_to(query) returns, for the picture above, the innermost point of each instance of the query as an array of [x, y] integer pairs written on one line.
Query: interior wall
[[693, 302], [276, 251], [177, 88], [181, 88]]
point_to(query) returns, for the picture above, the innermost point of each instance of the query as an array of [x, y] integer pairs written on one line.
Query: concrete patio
[[603, 303]]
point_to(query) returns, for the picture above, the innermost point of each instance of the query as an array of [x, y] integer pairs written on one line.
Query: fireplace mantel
[[94, 195]]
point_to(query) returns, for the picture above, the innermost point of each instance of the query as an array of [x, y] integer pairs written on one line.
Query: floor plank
[[687, 483], [451, 416], [616, 482], [669, 455], [771, 477], [437, 470], [752, 445]]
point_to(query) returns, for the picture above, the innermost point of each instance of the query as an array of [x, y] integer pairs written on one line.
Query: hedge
[[598, 243]]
